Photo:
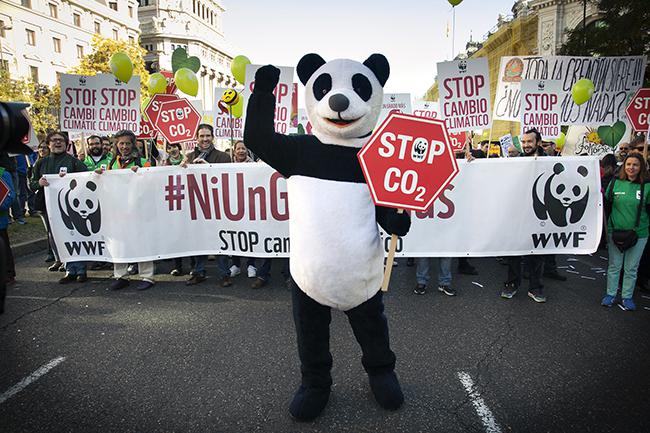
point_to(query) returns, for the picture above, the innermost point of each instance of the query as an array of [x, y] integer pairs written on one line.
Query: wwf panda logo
[[462, 66], [79, 208], [563, 197]]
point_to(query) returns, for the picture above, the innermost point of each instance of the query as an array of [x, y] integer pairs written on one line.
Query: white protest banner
[[541, 107], [464, 87], [242, 209], [428, 109], [614, 78], [225, 125], [282, 94], [505, 142], [99, 104], [394, 103]]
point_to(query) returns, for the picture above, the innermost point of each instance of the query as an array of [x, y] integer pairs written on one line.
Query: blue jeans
[[423, 265], [222, 265], [75, 268], [629, 261]]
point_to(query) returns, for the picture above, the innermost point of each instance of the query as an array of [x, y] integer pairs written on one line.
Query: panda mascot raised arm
[[336, 258]]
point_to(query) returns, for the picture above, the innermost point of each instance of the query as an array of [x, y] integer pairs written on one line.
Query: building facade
[[40, 39], [195, 25]]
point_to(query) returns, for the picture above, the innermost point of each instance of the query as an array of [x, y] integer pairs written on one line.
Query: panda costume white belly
[[334, 241], [336, 258]]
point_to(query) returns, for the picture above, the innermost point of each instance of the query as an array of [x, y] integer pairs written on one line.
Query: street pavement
[[211, 359]]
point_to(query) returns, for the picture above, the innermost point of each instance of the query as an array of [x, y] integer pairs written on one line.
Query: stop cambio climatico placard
[[99, 104]]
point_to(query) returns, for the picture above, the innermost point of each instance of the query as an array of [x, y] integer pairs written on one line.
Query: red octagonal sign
[[638, 110], [408, 161], [178, 120]]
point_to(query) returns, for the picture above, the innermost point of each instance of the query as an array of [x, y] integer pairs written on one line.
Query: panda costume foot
[[308, 403], [387, 390]]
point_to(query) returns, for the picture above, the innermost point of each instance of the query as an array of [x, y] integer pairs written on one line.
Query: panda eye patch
[[560, 189], [89, 203], [362, 86], [576, 190], [75, 202], [322, 86]]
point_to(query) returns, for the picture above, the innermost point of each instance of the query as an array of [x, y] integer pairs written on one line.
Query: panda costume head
[[343, 97]]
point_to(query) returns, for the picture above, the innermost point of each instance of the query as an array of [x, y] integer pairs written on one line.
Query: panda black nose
[[339, 102]]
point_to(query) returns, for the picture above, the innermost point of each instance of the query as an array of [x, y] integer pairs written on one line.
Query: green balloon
[[238, 109], [121, 66], [238, 68], [186, 81], [611, 135], [582, 91], [455, 2], [157, 83]]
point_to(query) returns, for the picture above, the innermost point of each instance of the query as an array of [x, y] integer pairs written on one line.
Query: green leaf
[[611, 135], [180, 60]]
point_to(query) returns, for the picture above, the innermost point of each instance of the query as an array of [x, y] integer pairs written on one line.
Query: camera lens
[[14, 127]]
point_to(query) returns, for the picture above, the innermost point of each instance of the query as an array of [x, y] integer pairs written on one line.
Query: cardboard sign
[[506, 142], [638, 110], [428, 109], [178, 120], [282, 94], [394, 103], [541, 107], [225, 125], [99, 104], [464, 87]]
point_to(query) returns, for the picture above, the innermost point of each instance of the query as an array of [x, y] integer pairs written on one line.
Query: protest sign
[[282, 94], [394, 103], [615, 80], [505, 142], [428, 109], [638, 110], [242, 210], [225, 125], [99, 104], [541, 107], [464, 87]]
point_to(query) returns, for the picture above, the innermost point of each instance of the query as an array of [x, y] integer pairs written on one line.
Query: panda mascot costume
[[336, 258]]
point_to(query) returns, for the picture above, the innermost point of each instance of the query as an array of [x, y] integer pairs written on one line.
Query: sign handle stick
[[389, 260], [232, 135]]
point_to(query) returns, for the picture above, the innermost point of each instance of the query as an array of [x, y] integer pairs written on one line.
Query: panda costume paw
[[332, 215]]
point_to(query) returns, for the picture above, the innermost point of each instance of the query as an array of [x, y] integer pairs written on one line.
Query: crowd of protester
[[623, 176]]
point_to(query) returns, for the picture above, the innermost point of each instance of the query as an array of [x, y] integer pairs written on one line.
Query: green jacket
[[624, 196], [51, 165], [92, 165], [116, 164]]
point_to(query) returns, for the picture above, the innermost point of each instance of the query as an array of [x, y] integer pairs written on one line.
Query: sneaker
[[118, 284], [447, 290], [195, 279], [252, 271], [554, 275], [132, 269], [68, 278], [420, 289], [608, 301], [258, 283], [62, 267], [509, 290], [234, 271], [82, 278], [225, 282], [21, 221], [627, 304], [54, 267], [176, 272], [144, 285], [537, 296]]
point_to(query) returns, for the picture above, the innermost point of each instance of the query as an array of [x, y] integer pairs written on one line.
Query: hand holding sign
[[407, 163]]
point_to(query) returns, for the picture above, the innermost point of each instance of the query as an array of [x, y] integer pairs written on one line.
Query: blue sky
[[410, 33]]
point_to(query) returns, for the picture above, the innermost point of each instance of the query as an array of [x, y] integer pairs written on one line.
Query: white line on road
[[35, 298], [477, 284], [481, 408], [30, 379]]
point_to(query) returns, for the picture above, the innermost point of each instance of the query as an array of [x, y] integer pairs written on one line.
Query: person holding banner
[[57, 162], [97, 157], [108, 147], [8, 275], [127, 157], [627, 206], [206, 153]]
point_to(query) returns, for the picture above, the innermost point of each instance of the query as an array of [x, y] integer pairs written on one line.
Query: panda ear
[[73, 183], [582, 170], [308, 65], [91, 186], [378, 64], [558, 168]]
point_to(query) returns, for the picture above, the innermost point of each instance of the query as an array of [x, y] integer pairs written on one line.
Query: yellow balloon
[[582, 91], [238, 68], [238, 109], [186, 81], [157, 83], [455, 2], [143, 104], [121, 67]]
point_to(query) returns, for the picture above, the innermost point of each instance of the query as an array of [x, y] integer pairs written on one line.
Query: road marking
[[477, 284], [35, 298], [573, 272], [604, 258], [30, 379], [481, 408], [587, 278]]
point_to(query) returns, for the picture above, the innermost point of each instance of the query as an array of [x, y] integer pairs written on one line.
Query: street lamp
[[3, 27]]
